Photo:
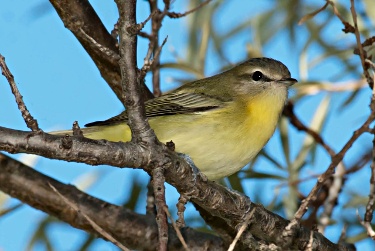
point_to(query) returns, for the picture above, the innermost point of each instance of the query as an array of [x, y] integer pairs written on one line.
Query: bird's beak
[[288, 81]]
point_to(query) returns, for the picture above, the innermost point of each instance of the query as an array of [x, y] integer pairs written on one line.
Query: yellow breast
[[262, 114]]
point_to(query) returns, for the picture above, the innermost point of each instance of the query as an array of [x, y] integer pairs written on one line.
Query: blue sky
[[60, 84]]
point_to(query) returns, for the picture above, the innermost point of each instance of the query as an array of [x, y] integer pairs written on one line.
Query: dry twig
[[177, 229], [336, 159], [29, 120], [243, 227], [178, 15], [158, 180], [289, 112], [92, 223]]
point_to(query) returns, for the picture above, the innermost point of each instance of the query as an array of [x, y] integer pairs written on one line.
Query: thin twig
[[29, 120], [158, 180], [112, 55], [153, 46], [337, 13], [370, 63], [100, 230], [243, 227], [289, 112], [332, 196], [370, 204], [358, 165], [360, 46], [179, 15], [181, 209], [149, 63], [11, 209], [371, 200], [336, 159], [312, 14], [177, 229], [367, 226], [313, 88], [144, 35], [141, 25], [357, 35]]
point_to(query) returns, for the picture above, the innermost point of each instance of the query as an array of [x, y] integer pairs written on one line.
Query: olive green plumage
[[221, 122]]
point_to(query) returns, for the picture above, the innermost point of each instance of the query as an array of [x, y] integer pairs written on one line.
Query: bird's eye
[[257, 76]]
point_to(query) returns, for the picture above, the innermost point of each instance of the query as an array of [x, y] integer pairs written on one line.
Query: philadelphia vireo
[[221, 122]]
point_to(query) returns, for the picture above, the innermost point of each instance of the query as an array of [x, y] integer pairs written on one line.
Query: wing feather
[[170, 104]]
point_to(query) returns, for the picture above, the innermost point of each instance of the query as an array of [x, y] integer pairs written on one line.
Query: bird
[[221, 122]]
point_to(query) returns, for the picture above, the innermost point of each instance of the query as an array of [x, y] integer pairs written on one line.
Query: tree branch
[[32, 187], [217, 200]]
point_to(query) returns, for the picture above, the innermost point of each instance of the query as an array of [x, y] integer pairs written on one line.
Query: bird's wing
[[170, 104]]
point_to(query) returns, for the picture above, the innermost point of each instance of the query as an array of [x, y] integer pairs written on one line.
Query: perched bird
[[221, 122]]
